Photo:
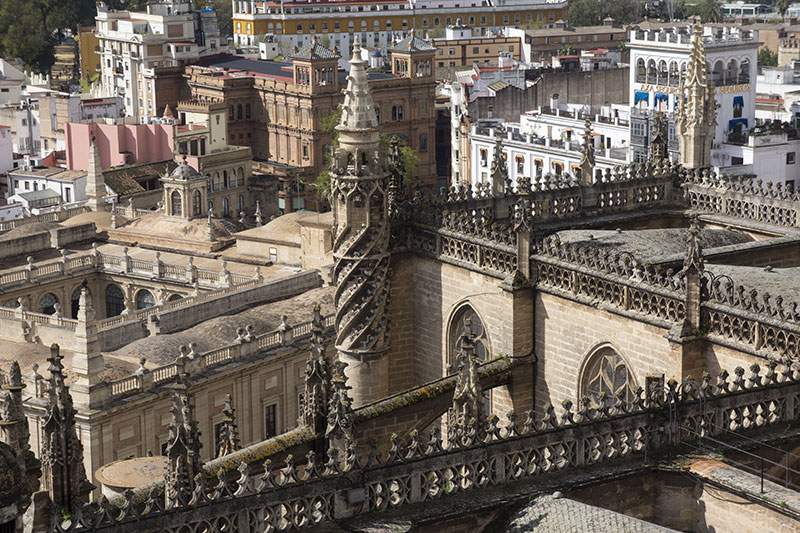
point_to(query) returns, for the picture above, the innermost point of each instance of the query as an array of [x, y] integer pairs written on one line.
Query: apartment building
[[461, 48], [134, 47], [379, 22]]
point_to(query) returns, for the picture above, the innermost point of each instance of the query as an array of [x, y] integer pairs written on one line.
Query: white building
[[132, 45], [6, 149], [68, 185], [658, 61]]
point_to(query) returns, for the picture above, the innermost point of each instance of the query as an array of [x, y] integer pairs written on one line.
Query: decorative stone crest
[[466, 419], [182, 449]]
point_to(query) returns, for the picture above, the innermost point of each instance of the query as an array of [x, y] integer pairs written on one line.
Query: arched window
[[216, 183], [225, 181], [239, 112], [115, 301], [464, 315], [378, 113], [399, 112], [47, 303], [240, 203], [230, 113], [225, 207], [175, 298], [394, 112], [744, 71], [144, 299], [197, 204], [176, 204], [74, 301], [247, 111], [605, 373]]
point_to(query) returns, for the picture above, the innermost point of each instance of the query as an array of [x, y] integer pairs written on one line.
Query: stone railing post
[[285, 330], [62, 263], [30, 270], [97, 257], [158, 267], [191, 271], [125, 262], [225, 276]]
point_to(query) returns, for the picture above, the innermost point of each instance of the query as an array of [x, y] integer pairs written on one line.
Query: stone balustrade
[[97, 261], [743, 198], [347, 483], [59, 215], [243, 347]]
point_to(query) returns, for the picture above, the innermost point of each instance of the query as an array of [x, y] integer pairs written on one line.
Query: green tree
[[408, 155], [322, 183], [782, 6], [592, 12], [710, 11], [767, 58]]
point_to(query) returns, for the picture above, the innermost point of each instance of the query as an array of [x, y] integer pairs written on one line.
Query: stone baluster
[[225, 275], [97, 257], [257, 274]]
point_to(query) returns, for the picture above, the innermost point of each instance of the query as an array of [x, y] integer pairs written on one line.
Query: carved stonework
[[658, 140], [63, 474], [15, 432], [587, 155], [339, 431], [182, 450], [316, 387], [361, 230], [466, 419], [229, 434], [697, 115]]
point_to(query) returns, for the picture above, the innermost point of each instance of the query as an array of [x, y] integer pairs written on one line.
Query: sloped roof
[[315, 50], [122, 180], [412, 44], [498, 85], [41, 194]]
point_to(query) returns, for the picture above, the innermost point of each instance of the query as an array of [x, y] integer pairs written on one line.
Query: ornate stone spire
[[339, 431], [95, 182], [63, 474], [317, 378], [466, 418], [658, 140], [587, 155], [87, 359], [697, 115], [229, 434], [396, 189], [15, 431], [693, 258], [182, 450], [361, 240], [693, 273], [500, 179]]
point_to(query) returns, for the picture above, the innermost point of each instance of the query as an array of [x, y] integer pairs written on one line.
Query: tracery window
[[477, 328], [115, 301], [197, 203], [176, 204], [47, 303], [606, 373], [145, 299]]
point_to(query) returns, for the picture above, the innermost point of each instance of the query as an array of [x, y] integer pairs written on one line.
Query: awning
[[732, 123], [641, 96], [738, 100], [660, 96]]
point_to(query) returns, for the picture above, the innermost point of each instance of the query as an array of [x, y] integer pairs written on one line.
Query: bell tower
[[361, 241]]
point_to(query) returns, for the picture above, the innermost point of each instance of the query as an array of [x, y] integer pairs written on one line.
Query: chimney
[[554, 101], [27, 162]]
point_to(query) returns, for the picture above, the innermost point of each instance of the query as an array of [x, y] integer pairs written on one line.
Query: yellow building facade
[[380, 22]]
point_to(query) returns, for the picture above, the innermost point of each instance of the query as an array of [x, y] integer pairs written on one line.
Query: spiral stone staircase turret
[[361, 240]]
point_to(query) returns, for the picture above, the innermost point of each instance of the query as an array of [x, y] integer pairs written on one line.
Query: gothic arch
[[115, 300], [455, 327], [145, 299], [606, 370]]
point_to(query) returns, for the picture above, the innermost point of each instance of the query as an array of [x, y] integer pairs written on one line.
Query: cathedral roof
[[315, 50], [412, 44]]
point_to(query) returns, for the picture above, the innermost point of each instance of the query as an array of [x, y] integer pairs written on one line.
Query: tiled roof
[[315, 50], [412, 44], [122, 180], [498, 85]]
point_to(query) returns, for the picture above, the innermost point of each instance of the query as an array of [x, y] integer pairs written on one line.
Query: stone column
[[87, 360]]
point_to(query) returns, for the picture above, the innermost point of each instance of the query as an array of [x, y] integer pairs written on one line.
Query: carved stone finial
[[466, 416], [229, 434], [182, 450], [587, 156]]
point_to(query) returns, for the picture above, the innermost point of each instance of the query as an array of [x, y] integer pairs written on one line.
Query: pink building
[[122, 144]]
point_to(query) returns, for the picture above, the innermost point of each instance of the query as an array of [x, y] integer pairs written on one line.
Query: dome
[[184, 172]]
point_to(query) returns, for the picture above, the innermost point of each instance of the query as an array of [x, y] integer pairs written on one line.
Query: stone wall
[[25, 245], [594, 88], [567, 332]]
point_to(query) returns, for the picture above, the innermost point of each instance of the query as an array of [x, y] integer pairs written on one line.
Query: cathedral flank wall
[[567, 333], [428, 298], [24, 245]]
